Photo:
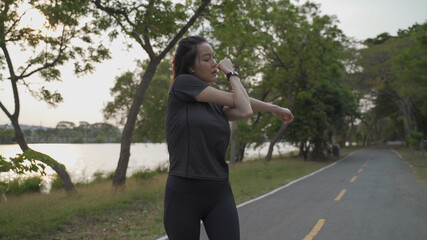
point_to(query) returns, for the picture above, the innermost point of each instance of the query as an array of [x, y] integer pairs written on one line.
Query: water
[[83, 160]]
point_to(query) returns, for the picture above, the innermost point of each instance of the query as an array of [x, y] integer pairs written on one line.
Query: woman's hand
[[285, 115], [225, 66]]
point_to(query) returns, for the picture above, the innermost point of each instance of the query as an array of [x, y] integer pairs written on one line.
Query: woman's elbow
[[247, 114]]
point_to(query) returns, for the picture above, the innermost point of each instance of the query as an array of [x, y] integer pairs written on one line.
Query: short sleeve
[[186, 87]]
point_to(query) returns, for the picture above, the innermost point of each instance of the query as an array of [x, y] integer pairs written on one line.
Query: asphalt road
[[371, 194]]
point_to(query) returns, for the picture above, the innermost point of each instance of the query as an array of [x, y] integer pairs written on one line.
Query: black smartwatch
[[232, 73]]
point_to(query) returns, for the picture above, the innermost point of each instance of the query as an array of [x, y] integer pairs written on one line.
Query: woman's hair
[[185, 55]]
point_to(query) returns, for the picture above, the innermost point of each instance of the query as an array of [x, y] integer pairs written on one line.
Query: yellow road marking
[[360, 170], [315, 229], [353, 179], [341, 194]]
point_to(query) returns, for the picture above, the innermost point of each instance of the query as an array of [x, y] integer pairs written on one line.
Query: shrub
[[56, 183], [144, 174], [98, 176], [414, 138], [19, 186], [110, 176]]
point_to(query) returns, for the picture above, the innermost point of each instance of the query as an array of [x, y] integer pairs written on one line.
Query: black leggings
[[187, 201]]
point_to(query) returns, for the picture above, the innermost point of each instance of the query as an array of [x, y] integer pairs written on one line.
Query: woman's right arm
[[237, 105]]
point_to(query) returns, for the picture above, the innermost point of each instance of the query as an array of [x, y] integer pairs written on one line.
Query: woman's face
[[205, 66]]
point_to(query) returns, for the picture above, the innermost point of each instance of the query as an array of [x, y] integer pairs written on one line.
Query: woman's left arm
[[283, 114]]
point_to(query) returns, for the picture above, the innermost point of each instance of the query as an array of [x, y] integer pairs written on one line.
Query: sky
[[84, 97]]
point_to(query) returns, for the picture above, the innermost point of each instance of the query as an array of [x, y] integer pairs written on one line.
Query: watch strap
[[232, 73]]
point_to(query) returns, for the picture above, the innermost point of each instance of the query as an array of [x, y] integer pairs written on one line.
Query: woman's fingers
[[286, 116], [225, 65]]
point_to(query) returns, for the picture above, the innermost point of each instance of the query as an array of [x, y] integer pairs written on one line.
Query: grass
[[416, 160], [136, 212]]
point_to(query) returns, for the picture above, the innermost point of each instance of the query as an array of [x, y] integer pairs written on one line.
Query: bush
[[19, 186], [414, 138], [98, 176], [110, 176], [144, 174], [56, 183]]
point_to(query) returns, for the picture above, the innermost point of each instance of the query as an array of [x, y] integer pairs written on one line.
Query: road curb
[[293, 182]]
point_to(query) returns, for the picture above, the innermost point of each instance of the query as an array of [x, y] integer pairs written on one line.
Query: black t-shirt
[[197, 133]]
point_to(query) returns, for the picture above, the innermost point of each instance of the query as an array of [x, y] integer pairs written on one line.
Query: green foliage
[[394, 68], [6, 135], [144, 174], [152, 24], [21, 164], [279, 48], [414, 138], [56, 183], [150, 124], [304, 54], [49, 48], [319, 113], [98, 176], [34, 156], [20, 186], [110, 176], [123, 92], [68, 132], [381, 38]]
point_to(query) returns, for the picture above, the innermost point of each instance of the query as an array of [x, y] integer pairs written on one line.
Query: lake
[[83, 160]]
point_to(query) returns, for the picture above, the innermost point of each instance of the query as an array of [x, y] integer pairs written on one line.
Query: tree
[[156, 26], [6, 135], [49, 50], [395, 69], [150, 126], [232, 32], [303, 49], [319, 114]]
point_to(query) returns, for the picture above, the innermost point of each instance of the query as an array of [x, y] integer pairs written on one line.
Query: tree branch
[[117, 12], [14, 23], [62, 48], [13, 80], [148, 47], [112, 11], [5, 110], [184, 29], [282, 64]]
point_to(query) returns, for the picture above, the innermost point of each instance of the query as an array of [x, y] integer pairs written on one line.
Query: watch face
[[232, 73]]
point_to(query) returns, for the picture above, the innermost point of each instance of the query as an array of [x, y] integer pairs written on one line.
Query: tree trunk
[[233, 143], [57, 167], [350, 137], [405, 107], [120, 174], [274, 141], [241, 152], [20, 139]]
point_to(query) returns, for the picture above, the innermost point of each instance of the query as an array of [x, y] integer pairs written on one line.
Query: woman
[[197, 134]]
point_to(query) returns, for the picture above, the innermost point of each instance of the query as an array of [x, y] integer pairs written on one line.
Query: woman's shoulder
[[187, 80], [187, 77]]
